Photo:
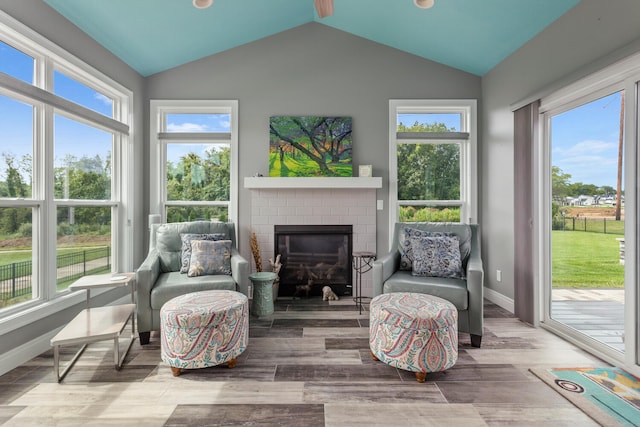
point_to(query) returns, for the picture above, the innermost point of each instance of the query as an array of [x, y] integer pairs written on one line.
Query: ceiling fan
[[324, 7]]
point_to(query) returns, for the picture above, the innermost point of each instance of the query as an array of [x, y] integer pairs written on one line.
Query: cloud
[[590, 146], [186, 127], [588, 161], [102, 98]]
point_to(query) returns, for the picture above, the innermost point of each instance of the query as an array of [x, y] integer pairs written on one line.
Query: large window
[[432, 160], [194, 160], [63, 180]]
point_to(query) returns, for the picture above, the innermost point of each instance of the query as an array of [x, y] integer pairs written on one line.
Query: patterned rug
[[611, 396]]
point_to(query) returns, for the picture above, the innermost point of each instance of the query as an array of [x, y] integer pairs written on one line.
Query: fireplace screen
[[314, 256]]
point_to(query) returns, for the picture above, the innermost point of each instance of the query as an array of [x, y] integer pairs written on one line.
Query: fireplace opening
[[314, 256]]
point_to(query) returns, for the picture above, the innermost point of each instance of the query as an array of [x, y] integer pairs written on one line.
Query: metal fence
[[593, 225], [16, 278]]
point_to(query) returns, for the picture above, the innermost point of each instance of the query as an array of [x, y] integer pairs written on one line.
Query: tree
[[13, 187], [200, 178], [559, 184], [429, 171]]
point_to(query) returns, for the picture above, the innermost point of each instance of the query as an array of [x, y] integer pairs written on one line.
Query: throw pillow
[[186, 246], [436, 257], [210, 257], [405, 248]]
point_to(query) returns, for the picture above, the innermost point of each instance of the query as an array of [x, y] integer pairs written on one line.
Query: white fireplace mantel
[[312, 182]]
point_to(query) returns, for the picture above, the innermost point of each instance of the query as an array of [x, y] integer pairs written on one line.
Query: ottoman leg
[[421, 376], [373, 356], [232, 363], [176, 371]]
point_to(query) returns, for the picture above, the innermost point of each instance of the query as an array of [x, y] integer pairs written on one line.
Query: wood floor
[[307, 365]]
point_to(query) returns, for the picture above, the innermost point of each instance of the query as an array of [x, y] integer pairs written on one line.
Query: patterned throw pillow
[[186, 246], [406, 249], [210, 257], [436, 257]]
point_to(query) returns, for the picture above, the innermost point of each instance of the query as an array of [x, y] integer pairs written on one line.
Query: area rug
[[611, 396]]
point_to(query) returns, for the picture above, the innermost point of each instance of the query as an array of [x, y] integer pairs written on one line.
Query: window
[[194, 144], [63, 163], [432, 160]]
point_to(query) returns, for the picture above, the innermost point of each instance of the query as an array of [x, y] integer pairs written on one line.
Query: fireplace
[[314, 256]]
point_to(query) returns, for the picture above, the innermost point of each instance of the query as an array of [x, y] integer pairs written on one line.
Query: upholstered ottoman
[[414, 332], [203, 329]]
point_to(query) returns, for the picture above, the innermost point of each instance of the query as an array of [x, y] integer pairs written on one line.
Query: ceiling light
[[202, 4], [422, 4]]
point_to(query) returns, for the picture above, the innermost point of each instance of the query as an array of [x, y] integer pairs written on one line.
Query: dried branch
[[255, 250]]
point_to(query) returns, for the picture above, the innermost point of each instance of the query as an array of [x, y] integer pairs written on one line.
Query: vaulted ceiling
[[155, 35]]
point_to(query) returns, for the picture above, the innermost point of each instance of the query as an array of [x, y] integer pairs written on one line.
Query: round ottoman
[[203, 329], [414, 332]]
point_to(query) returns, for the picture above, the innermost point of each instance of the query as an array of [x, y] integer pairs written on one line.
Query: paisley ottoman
[[203, 329], [414, 332]]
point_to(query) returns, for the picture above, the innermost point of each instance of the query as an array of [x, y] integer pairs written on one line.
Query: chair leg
[[476, 340], [144, 337]]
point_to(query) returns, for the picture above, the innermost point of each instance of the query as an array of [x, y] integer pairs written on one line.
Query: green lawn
[[586, 260]]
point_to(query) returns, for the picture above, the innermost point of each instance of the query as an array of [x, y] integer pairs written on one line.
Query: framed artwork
[[310, 146]]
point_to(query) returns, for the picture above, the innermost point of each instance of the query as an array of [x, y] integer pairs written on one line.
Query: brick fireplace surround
[[345, 204]]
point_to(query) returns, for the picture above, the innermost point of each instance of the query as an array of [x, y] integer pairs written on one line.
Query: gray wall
[[313, 69], [48, 23], [592, 34]]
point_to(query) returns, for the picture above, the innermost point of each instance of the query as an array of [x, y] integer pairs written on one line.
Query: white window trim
[[468, 151], [47, 55], [157, 190]]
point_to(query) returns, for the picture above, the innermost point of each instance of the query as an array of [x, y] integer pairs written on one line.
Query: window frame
[[46, 104], [466, 137], [160, 138]]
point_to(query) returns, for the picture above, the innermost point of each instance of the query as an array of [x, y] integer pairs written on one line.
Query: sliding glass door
[[587, 205], [587, 227]]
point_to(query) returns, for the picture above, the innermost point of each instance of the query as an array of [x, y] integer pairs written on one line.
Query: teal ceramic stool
[[262, 303]]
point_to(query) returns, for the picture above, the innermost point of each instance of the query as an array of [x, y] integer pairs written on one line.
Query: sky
[[584, 140]]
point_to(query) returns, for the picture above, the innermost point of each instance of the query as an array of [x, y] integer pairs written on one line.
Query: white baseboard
[[499, 299], [25, 352]]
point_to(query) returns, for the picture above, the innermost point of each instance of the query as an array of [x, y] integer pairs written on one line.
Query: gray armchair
[[465, 293], [158, 279]]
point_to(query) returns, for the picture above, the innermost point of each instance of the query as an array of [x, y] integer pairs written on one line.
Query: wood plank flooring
[[307, 365]]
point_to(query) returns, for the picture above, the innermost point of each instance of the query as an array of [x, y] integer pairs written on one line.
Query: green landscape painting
[[310, 146]]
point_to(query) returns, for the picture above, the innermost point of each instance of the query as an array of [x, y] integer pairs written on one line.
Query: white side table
[[98, 323]]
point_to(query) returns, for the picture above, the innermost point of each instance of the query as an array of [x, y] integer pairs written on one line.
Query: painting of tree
[[310, 146]]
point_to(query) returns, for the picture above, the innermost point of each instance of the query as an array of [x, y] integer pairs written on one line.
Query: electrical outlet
[[499, 275], [380, 205]]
